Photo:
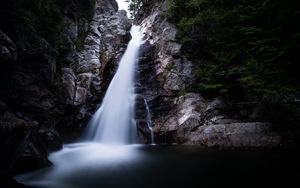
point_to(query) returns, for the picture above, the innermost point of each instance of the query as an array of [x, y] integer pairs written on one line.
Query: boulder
[[190, 111], [236, 135]]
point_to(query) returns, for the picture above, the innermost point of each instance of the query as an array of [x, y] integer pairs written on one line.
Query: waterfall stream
[[109, 133], [149, 122], [106, 159], [114, 121]]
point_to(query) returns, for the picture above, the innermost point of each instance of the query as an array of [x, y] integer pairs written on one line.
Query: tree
[[134, 6]]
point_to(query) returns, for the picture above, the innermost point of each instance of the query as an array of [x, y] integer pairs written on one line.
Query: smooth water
[[109, 132], [149, 122], [137, 166], [114, 122], [107, 162]]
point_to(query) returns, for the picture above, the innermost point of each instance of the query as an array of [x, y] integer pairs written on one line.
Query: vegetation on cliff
[[245, 50], [44, 16]]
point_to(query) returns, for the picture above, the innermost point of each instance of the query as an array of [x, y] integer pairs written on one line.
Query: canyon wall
[[56, 61], [179, 115]]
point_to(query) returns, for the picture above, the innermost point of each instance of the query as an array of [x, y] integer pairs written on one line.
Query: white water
[[149, 122], [110, 130], [114, 122]]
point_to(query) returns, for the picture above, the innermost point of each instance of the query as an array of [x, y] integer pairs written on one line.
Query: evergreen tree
[[246, 50], [134, 6]]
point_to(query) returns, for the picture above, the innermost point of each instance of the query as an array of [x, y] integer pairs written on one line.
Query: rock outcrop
[[52, 76], [165, 75]]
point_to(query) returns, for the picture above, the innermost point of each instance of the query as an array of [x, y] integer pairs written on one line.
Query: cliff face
[[56, 60], [178, 116]]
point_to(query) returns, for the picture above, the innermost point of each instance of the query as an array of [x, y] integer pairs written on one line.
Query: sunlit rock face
[[165, 75]]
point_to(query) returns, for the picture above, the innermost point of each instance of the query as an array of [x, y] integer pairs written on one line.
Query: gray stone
[[8, 49], [2, 106], [85, 80], [236, 135], [68, 82], [174, 82], [190, 110], [92, 65], [173, 48], [80, 96]]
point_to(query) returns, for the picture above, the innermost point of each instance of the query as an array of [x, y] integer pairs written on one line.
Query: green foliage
[[252, 46], [134, 6]]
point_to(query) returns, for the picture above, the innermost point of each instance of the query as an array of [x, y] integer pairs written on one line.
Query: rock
[[96, 84], [6, 182], [71, 29], [83, 113], [2, 106], [236, 135], [52, 139], [106, 6], [184, 118], [45, 100], [68, 82], [173, 82], [190, 110], [163, 72], [23, 148], [173, 48], [8, 49], [80, 96], [91, 65], [85, 80], [219, 119]]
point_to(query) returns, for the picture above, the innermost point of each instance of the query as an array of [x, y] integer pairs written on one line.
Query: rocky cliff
[[166, 77], [56, 60]]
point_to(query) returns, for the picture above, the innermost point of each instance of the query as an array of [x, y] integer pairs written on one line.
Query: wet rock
[[143, 119]]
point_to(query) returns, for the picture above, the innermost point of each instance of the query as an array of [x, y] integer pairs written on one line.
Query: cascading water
[[111, 128], [149, 122], [114, 122]]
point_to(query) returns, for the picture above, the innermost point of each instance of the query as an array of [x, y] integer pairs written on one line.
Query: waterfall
[[111, 127], [149, 122], [114, 122]]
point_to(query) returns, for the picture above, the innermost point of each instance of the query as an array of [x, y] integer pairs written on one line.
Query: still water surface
[[136, 166]]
